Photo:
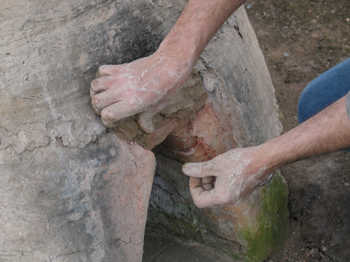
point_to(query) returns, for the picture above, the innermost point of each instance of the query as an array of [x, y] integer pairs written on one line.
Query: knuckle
[[196, 199], [107, 115], [96, 102], [95, 84], [92, 93], [107, 121], [226, 197], [198, 203], [217, 199]]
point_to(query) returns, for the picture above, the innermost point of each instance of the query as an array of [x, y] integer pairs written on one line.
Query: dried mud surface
[[301, 39]]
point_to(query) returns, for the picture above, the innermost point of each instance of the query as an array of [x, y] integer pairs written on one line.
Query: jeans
[[324, 90]]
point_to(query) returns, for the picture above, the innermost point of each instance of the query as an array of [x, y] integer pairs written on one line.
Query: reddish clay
[[201, 139]]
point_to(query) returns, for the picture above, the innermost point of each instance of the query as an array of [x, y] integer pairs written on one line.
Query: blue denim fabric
[[324, 90]]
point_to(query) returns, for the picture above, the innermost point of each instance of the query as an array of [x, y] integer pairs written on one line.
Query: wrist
[[180, 48], [176, 69], [271, 155]]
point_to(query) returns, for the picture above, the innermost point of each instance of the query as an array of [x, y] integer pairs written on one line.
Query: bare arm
[[327, 131], [141, 86], [239, 171], [196, 26]]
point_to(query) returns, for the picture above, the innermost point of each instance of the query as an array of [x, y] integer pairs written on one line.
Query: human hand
[[226, 178], [142, 86]]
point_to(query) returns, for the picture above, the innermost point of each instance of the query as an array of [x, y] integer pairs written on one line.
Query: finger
[[201, 197], [105, 99], [101, 84], [145, 120], [115, 112], [107, 70], [202, 169]]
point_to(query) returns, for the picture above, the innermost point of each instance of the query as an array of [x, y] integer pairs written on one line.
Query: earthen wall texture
[[70, 190]]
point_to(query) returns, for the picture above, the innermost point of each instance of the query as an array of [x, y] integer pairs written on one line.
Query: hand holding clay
[[226, 178], [141, 86]]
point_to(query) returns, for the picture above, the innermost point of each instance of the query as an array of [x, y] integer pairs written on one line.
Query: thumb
[[202, 169], [145, 120]]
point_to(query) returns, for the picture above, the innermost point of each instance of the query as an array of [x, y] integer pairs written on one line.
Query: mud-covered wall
[[70, 190], [64, 179]]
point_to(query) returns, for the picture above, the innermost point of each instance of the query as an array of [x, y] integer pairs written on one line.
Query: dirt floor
[[300, 40]]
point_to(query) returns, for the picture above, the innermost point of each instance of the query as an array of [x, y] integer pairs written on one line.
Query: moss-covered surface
[[262, 229], [272, 222]]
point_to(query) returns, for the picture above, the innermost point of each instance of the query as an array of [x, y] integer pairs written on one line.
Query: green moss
[[265, 233], [272, 222]]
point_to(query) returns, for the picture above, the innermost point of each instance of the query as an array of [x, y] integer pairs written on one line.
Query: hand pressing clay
[[142, 86], [226, 178]]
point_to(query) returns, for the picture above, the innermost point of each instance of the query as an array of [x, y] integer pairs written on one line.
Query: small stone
[[324, 249], [285, 54], [347, 19]]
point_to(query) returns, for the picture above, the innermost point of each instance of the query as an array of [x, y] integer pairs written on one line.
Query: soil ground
[[301, 39]]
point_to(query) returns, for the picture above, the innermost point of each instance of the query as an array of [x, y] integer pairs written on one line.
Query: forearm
[[195, 27], [328, 131]]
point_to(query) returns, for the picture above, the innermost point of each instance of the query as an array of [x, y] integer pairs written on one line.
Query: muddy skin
[[124, 90]]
